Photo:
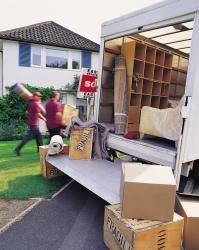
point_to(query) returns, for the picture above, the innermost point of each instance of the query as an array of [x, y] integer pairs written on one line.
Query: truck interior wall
[[162, 69]]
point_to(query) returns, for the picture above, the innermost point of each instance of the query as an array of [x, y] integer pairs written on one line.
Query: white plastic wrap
[[163, 123], [56, 145]]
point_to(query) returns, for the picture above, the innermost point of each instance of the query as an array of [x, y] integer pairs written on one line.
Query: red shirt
[[33, 110], [52, 107]]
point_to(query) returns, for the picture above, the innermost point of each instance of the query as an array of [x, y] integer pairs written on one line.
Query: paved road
[[71, 221]]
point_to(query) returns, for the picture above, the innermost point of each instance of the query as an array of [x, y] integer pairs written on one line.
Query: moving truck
[[160, 44]]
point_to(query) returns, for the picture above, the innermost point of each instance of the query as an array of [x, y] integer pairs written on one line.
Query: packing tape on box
[[56, 145]]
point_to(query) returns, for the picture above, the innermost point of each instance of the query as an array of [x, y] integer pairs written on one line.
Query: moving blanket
[[99, 137], [163, 123]]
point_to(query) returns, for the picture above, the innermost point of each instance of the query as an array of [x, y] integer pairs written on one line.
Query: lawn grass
[[20, 176]]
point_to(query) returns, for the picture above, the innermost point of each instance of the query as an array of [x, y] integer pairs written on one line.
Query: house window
[[76, 60], [56, 58], [36, 55], [86, 59], [24, 54]]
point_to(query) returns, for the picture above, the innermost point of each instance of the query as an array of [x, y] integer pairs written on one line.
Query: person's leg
[[38, 137], [27, 138], [52, 132], [57, 131]]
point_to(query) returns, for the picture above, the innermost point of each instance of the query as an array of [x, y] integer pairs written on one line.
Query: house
[[44, 54]]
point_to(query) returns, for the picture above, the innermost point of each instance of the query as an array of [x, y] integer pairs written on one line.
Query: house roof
[[50, 33]]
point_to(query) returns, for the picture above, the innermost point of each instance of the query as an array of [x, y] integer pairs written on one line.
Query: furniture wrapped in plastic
[[163, 123], [120, 96]]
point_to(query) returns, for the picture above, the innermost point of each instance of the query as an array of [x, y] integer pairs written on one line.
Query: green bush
[[13, 113]]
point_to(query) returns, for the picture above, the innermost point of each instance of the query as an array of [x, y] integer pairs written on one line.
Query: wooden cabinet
[[178, 76], [154, 75], [149, 75]]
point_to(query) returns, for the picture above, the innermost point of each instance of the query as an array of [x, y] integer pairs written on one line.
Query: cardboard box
[[134, 234], [67, 113], [48, 171], [188, 207], [81, 142], [133, 127], [133, 114], [147, 192]]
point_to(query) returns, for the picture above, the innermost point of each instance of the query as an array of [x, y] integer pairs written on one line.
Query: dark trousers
[[53, 131], [33, 132]]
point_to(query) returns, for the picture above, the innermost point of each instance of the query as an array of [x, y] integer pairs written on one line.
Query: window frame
[[20, 48], [79, 52], [41, 49], [57, 49]]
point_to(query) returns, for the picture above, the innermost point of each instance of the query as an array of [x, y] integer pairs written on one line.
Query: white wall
[[69, 99], [1, 73], [36, 76]]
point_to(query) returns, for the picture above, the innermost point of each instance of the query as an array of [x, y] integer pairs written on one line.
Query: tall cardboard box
[[134, 234], [189, 208], [48, 171], [147, 192]]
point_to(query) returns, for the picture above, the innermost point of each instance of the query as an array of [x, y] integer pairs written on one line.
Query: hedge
[[13, 113]]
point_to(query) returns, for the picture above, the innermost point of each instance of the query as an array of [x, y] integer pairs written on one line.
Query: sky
[[81, 16]]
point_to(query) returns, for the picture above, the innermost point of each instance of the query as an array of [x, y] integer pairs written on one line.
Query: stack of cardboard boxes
[[145, 218]]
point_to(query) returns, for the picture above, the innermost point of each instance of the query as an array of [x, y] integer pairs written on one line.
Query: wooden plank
[[128, 50], [180, 70], [102, 177]]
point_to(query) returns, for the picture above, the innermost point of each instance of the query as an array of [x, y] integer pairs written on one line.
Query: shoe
[[17, 152]]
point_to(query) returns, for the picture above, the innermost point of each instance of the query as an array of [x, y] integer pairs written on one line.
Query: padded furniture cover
[[163, 123]]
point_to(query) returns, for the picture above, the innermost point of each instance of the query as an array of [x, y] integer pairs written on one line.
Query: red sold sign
[[88, 83]]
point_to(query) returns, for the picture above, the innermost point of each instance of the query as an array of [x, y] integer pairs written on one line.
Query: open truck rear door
[[190, 112]]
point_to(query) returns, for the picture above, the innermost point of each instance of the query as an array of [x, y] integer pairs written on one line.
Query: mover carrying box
[[67, 113], [48, 171], [134, 234], [188, 207], [147, 192]]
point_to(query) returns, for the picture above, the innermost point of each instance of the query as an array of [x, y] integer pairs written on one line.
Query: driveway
[[72, 220]]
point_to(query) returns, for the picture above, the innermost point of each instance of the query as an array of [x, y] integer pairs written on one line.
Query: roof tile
[[50, 33]]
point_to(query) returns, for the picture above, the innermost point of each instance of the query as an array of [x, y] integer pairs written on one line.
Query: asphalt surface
[[71, 221]]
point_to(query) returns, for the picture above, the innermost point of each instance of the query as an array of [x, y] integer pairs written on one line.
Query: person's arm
[[38, 111], [59, 113], [41, 116]]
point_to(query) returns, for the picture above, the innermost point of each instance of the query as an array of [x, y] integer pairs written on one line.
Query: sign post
[[87, 88]]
